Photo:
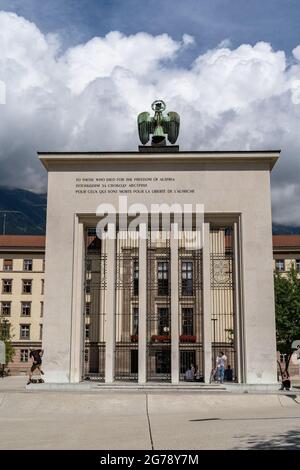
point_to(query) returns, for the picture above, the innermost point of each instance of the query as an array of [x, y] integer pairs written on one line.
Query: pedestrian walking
[[285, 381], [220, 363], [36, 355]]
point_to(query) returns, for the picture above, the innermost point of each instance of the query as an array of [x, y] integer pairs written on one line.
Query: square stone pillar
[[77, 348], [206, 304], [110, 330], [142, 336], [238, 320], [174, 307]]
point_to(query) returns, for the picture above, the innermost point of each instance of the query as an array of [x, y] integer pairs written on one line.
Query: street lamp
[[214, 320], [5, 328], [4, 218]]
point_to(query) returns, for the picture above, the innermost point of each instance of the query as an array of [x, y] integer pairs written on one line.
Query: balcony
[[187, 339], [134, 338]]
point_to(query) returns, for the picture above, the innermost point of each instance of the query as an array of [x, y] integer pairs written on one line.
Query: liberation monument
[[144, 305]]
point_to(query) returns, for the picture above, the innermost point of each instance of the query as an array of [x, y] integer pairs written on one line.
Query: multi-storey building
[[22, 293], [286, 252]]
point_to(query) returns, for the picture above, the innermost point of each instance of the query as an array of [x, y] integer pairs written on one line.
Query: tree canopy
[[287, 307], [5, 335]]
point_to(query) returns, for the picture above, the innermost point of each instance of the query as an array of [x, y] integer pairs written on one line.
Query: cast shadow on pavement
[[286, 440]]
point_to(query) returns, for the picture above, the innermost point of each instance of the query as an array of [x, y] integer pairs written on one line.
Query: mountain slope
[[22, 212]]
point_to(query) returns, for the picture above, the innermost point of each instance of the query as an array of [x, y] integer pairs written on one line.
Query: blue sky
[[231, 68], [208, 21]]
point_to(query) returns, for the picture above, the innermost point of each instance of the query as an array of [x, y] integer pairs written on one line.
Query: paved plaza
[[105, 419]]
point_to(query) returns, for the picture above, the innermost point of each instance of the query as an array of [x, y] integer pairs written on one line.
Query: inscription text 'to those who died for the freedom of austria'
[[129, 185]]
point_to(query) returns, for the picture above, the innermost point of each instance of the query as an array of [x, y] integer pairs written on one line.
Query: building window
[[43, 286], [27, 286], [41, 331], [135, 321], [298, 265], [134, 361], [27, 265], [88, 265], [136, 277], [42, 309], [187, 358], [24, 355], [86, 355], [163, 362], [87, 331], [24, 331], [6, 286], [163, 321], [187, 321], [88, 308], [88, 286], [8, 265], [187, 278], [25, 309], [280, 265], [163, 278], [6, 309]]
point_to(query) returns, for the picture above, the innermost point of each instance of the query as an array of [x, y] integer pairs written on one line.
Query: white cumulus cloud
[[88, 97]]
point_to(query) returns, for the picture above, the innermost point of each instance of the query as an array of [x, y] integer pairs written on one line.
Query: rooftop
[[22, 241], [38, 241], [51, 159], [286, 241]]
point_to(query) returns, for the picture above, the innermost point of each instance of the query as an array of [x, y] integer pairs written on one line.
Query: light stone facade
[[234, 188], [286, 249]]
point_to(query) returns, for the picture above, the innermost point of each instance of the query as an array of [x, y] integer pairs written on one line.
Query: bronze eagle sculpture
[[158, 125]]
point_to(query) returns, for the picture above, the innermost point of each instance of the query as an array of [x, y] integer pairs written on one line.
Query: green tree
[[287, 307], [5, 335]]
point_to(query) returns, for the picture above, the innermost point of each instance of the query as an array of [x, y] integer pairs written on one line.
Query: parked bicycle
[[4, 371]]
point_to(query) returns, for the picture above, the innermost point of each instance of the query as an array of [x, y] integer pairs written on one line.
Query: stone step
[[94, 386], [196, 387]]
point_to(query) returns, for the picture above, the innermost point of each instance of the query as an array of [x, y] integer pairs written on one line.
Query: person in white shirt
[[220, 363]]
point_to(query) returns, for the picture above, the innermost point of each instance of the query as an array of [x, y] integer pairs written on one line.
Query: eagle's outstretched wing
[[172, 127], [145, 126]]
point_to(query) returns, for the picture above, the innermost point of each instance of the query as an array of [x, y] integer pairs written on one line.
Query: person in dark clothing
[[228, 374], [286, 383], [36, 355]]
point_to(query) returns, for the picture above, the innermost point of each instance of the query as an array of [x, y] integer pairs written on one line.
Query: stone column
[[174, 308], [110, 331], [206, 304], [77, 331], [238, 337], [142, 337]]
